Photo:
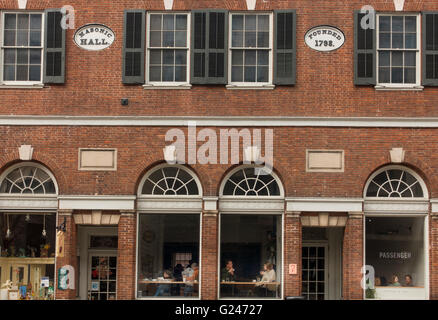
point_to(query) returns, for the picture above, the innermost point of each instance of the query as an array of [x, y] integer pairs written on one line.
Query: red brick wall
[[209, 266], [70, 254], [324, 80], [433, 257], [127, 233], [292, 254], [352, 259]]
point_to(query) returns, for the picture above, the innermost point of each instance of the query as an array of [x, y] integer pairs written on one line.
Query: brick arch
[[42, 159], [232, 167], [414, 166], [139, 173]]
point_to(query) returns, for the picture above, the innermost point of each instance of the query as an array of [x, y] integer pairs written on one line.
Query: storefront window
[[27, 254], [250, 259], [395, 249], [168, 255]]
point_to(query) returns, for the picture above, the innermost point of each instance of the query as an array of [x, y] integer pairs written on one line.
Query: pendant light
[[27, 219], [44, 233], [8, 232]]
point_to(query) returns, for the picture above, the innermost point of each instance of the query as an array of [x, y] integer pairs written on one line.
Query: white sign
[[94, 37], [44, 282], [324, 38]]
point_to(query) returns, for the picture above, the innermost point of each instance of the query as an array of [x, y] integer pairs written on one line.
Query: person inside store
[[193, 276], [268, 275], [394, 281], [228, 274], [164, 289], [408, 281], [177, 275]]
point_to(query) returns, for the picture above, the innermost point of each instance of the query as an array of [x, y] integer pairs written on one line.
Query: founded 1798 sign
[[94, 37], [324, 38]]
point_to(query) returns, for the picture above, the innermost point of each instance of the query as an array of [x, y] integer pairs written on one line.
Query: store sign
[[324, 38], [94, 37], [395, 255]]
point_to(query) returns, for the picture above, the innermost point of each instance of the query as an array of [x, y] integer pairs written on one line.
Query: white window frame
[[268, 84], [2, 47], [168, 84], [417, 84]]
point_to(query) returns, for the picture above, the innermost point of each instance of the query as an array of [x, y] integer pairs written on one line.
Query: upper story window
[[28, 179], [251, 48], [22, 47], [168, 48], [398, 46]]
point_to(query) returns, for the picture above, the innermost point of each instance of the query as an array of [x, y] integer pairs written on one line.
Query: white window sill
[[22, 86], [168, 86], [395, 88], [250, 87]]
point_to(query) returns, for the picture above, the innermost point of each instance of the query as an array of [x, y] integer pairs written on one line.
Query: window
[[251, 48], [22, 47], [168, 255], [251, 182], [28, 180], [395, 249], [168, 48], [395, 183], [250, 256], [170, 181], [398, 47]]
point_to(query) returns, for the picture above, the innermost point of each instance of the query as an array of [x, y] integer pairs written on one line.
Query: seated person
[[227, 273], [191, 277], [164, 289], [408, 281], [394, 281], [377, 282], [268, 275]]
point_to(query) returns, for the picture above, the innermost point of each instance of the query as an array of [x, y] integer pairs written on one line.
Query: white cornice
[[85, 202], [324, 204], [219, 121]]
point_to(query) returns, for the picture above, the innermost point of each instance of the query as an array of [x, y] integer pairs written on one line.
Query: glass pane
[[155, 73], [262, 74], [397, 59], [155, 22], [250, 57], [168, 22], [10, 21], [23, 21], [9, 57], [181, 38], [385, 23], [168, 39], [22, 72], [155, 40], [384, 58], [237, 39], [250, 74], [22, 38], [35, 21], [410, 76], [181, 22], [250, 22], [9, 73], [35, 56], [263, 39], [397, 41], [168, 73], [180, 73], [155, 57], [35, 38], [237, 22], [410, 59], [250, 39], [9, 39], [168, 57], [237, 57], [262, 58], [22, 56], [397, 24], [397, 75], [181, 57], [236, 74], [411, 41], [410, 24], [384, 75], [263, 23], [384, 40]]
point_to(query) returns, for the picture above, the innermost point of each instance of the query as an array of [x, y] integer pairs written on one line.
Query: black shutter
[[54, 47], [285, 49], [430, 48], [209, 47], [134, 47], [364, 53]]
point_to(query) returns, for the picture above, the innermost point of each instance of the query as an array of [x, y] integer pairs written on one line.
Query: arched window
[[395, 182], [29, 179], [170, 181], [251, 182]]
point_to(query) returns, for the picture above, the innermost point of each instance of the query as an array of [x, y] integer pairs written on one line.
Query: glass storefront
[[27, 256], [395, 249], [168, 255], [250, 256]]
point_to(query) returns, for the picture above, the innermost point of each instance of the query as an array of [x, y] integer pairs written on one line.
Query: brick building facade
[[354, 138]]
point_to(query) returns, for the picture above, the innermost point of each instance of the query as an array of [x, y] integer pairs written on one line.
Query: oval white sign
[[324, 38], [94, 37]]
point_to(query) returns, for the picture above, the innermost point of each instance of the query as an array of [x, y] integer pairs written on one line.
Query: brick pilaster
[[353, 257], [70, 254], [433, 257], [126, 256], [209, 268], [292, 253]]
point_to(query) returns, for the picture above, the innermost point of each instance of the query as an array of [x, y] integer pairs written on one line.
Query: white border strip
[[168, 121], [324, 204], [97, 202]]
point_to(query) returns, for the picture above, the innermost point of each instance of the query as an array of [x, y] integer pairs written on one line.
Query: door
[[315, 271], [102, 275]]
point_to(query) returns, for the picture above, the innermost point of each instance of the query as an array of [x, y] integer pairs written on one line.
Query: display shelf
[[18, 260]]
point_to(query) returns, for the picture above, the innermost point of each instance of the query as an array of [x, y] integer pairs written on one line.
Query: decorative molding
[[397, 155], [97, 159], [65, 213], [22, 4], [325, 160], [212, 213], [210, 203], [323, 220], [355, 215], [293, 214], [25, 151], [25, 203], [96, 218], [169, 204], [396, 206], [98, 202], [251, 4], [324, 204], [251, 205], [218, 121], [399, 5], [168, 4]]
